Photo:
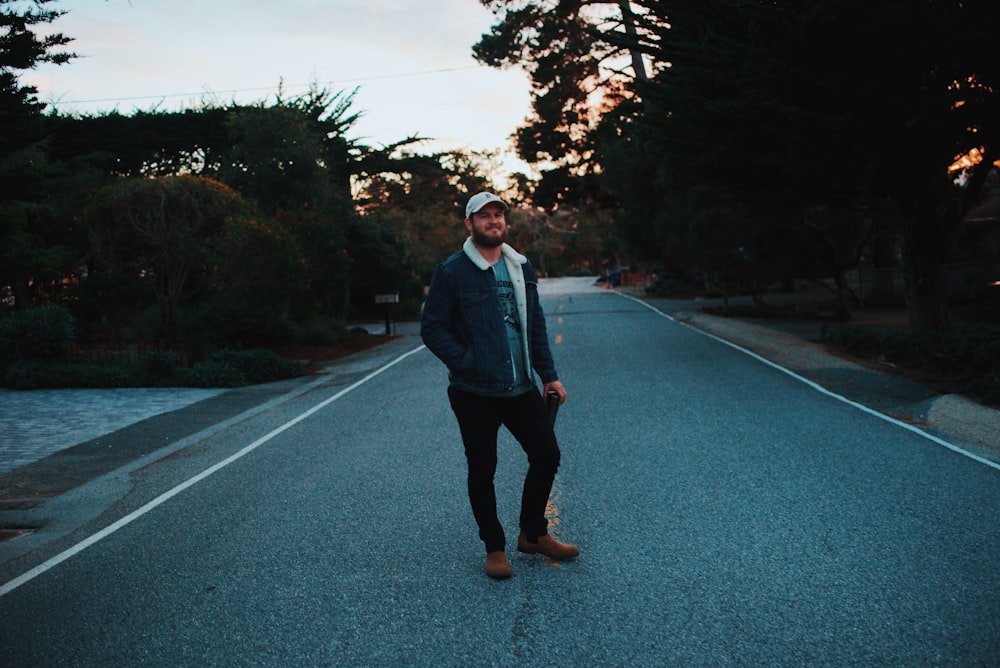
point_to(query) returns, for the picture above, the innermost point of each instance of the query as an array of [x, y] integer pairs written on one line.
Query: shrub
[[34, 375], [41, 333], [260, 365], [24, 375], [969, 356], [160, 368], [212, 373], [667, 286], [235, 368], [108, 305], [247, 326], [321, 334], [746, 311], [160, 363], [88, 375]]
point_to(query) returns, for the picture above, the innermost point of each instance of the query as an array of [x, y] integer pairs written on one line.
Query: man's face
[[488, 226]]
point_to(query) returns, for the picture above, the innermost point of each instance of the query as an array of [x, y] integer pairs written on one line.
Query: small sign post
[[388, 299]]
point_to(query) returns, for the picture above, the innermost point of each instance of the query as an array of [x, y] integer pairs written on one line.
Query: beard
[[481, 238]]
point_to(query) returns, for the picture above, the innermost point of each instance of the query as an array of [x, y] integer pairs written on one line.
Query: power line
[[339, 82]]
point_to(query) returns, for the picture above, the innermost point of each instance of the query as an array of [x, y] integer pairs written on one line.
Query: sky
[[410, 59]]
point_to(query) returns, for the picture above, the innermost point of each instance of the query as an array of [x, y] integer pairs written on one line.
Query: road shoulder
[[954, 418]]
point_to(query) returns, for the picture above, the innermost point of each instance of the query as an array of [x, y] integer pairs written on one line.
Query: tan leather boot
[[548, 546], [497, 566]]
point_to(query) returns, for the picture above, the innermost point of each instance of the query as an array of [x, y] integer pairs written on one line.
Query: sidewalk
[[39, 423]]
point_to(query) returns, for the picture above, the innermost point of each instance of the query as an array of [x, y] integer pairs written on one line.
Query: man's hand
[[557, 387]]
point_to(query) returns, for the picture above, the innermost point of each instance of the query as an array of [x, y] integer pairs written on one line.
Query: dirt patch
[[356, 342]]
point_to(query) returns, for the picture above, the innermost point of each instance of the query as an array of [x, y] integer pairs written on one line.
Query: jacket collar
[[477, 258]]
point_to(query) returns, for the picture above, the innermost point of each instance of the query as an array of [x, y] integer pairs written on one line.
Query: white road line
[[10, 586], [823, 390]]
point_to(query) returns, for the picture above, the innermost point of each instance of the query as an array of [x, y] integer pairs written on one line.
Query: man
[[482, 319]]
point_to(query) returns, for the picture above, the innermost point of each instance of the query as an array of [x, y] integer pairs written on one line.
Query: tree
[[259, 262], [166, 230], [319, 288], [25, 259], [786, 107], [586, 60], [22, 49], [150, 143], [293, 159], [411, 209], [576, 54], [292, 153], [583, 58], [290, 157]]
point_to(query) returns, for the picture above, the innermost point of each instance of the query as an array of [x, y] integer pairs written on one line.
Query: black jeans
[[525, 416]]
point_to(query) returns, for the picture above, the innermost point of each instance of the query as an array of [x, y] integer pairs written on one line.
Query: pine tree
[[24, 257]]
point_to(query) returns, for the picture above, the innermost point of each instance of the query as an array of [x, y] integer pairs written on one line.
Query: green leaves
[[41, 333]]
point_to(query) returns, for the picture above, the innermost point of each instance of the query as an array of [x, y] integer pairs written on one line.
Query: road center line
[[10, 586], [821, 389]]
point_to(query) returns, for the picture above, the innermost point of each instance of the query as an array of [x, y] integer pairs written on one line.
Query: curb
[[950, 416]]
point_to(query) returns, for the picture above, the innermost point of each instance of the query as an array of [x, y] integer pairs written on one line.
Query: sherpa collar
[[477, 258]]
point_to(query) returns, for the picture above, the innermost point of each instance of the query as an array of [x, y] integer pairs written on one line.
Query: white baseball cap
[[479, 200]]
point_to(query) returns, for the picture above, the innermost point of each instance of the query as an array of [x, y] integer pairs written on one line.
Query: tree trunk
[[930, 229], [844, 311], [22, 295], [628, 20], [928, 233], [167, 320], [883, 249], [926, 289]]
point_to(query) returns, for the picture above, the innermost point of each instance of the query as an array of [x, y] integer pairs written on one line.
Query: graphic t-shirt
[[508, 308]]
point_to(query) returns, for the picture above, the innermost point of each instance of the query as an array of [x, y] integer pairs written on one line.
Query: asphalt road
[[727, 513]]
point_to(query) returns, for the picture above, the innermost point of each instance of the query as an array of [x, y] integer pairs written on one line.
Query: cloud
[[412, 60]]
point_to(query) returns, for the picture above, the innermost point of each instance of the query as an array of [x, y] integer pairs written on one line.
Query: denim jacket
[[463, 326]]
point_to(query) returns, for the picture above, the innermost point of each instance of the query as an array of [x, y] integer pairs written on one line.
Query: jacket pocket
[[475, 305]]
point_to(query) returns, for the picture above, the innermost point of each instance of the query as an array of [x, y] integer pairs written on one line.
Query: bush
[[160, 369], [747, 311], [246, 326], [673, 286], [41, 333], [235, 368], [260, 365], [81, 375], [321, 334], [212, 373], [160, 363], [108, 305], [967, 356], [24, 375], [35, 375]]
